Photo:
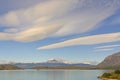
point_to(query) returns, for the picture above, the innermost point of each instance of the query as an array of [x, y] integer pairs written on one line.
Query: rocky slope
[[111, 61]]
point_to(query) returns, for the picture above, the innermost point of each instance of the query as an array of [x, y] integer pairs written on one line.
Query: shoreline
[[107, 79]]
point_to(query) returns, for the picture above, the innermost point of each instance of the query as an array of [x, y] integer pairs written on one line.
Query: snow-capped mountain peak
[[58, 60]]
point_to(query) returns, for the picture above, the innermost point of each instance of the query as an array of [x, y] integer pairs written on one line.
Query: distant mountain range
[[112, 61], [54, 62]]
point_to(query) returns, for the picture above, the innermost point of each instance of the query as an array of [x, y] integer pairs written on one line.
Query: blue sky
[[74, 30]]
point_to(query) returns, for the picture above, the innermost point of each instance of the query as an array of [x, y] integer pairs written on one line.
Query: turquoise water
[[50, 74]]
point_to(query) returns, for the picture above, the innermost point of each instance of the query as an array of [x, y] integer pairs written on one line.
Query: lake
[[50, 74]]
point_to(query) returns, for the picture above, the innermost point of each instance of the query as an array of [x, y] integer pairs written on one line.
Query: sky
[[74, 30]]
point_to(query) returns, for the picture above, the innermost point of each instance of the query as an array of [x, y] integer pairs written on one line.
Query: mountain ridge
[[111, 61]]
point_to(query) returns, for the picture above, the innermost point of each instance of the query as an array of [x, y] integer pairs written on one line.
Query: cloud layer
[[55, 18], [108, 46], [105, 48], [88, 40]]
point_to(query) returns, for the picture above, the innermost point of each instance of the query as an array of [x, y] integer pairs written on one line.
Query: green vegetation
[[111, 75]]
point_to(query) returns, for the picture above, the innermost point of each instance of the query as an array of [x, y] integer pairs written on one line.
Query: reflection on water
[[50, 74]]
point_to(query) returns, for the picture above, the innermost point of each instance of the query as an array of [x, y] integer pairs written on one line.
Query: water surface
[[50, 74]]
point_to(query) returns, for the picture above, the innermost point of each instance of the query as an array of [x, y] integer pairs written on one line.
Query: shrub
[[106, 75], [117, 71]]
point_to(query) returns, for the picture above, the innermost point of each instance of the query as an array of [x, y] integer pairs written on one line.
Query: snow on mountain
[[58, 60]]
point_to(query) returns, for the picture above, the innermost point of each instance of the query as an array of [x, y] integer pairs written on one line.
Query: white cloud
[[11, 30], [88, 40], [5, 36], [55, 18], [3, 62], [103, 50], [36, 33], [107, 46], [6, 62]]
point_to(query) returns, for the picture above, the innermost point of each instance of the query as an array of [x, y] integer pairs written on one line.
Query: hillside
[[112, 61], [8, 67]]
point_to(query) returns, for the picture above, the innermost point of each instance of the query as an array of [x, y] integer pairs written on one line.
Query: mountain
[[8, 67], [58, 60], [54, 62], [112, 61]]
